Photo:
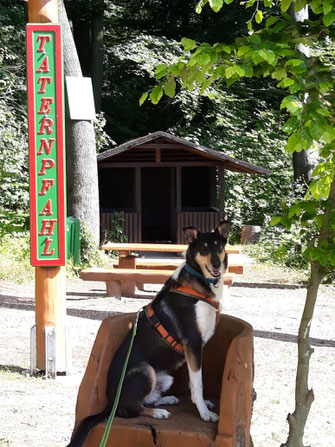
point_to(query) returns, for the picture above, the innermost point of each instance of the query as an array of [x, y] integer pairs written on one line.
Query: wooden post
[[222, 191], [50, 283]]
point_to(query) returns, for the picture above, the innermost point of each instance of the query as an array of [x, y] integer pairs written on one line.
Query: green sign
[[46, 144]]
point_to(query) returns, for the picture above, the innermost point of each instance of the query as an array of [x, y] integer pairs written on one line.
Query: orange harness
[[182, 290]]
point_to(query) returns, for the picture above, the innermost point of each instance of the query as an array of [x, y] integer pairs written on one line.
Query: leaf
[[279, 74], [284, 5], [268, 56], [315, 254], [257, 58], [259, 17], [143, 98], [316, 130], [327, 7], [294, 143], [188, 44], [243, 50], [203, 59], [275, 220], [294, 62], [323, 111], [329, 18], [292, 104], [170, 88], [332, 257], [228, 2], [156, 94], [229, 72], [295, 210], [270, 21], [299, 5], [160, 71], [216, 5], [286, 222]]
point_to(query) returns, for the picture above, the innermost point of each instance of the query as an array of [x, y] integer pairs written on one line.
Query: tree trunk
[[97, 53], [303, 396], [82, 170], [302, 162]]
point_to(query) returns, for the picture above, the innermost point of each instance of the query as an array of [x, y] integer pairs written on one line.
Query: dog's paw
[[168, 400], [209, 404], [160, 413], [209, 416]]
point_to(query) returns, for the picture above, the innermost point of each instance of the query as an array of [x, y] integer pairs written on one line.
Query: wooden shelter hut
[[162, 183]]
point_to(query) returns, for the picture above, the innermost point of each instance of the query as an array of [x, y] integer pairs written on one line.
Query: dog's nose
[[216, 265]]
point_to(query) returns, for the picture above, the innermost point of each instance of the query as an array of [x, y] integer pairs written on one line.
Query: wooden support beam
[[221, 189]]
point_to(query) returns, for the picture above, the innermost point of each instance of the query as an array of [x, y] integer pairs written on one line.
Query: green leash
[[119, 388]]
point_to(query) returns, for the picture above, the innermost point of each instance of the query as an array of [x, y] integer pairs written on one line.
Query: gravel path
[[37, 413]]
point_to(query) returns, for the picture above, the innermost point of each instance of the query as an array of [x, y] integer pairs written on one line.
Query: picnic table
[[132, 271], [127, 258]]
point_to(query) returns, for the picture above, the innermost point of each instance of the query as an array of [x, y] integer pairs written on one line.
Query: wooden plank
[[148, 164], [171, 265], [178, 248], [138, 275]]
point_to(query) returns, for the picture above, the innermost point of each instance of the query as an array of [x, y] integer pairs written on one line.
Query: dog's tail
[[86, 425]]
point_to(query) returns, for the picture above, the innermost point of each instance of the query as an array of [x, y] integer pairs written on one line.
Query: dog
[[171, 330]]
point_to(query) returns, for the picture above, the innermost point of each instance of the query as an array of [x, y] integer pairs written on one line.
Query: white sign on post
[[80, 98]]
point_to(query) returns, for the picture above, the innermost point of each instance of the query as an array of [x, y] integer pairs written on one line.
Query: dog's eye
[[203, 249]]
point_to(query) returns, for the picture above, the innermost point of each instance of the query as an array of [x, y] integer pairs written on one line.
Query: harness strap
[[189, 291], [163, 332]]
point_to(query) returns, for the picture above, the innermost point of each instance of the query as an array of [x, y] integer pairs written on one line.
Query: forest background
[[243, 120]]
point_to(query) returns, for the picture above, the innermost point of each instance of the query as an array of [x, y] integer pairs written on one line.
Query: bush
[[15, 257]]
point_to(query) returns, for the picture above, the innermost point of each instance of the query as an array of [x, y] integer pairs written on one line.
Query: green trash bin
[[73, 239]]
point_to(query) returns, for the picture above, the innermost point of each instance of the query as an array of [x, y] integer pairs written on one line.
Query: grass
[[15, 258]]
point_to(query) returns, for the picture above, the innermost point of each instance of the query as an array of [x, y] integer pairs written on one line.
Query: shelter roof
[[173, 149]]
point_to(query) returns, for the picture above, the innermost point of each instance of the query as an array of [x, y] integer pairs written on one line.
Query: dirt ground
[[37, 413]]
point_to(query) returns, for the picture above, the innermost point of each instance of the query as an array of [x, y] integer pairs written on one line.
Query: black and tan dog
[[171, 330]]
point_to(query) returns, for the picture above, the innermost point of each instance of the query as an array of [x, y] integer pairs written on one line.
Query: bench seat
[[122, 282], [142, 263]]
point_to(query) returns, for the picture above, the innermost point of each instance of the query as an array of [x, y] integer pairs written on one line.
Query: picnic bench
[[122, 282], [132, 271]]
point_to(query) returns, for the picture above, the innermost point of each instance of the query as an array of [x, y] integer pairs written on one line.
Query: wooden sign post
[[47, 184]]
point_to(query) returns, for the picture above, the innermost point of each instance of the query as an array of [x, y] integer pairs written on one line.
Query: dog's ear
[[191, 234], [222, 229]]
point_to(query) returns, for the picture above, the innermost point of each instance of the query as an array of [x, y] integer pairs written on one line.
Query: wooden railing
[[130, 223], [202, 220]]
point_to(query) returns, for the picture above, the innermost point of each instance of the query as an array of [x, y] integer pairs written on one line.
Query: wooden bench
[[143, 263], [122, 282]]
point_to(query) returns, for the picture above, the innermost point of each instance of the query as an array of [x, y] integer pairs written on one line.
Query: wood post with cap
[[50, 281]]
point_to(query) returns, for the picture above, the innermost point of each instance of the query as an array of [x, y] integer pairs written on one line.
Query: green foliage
[[15, 257], [116, 233], [13, 122], [274, 50]]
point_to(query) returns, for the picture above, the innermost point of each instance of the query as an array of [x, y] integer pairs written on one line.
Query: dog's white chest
[[206, 319]]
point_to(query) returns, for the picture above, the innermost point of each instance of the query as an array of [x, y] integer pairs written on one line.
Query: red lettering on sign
[[47, 227], [46, 251], [43, 40], [46, 124], [47, 163], [45, 105], [44, 67], [47, 210], [45, 145], [44, 80], [47, 183]]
